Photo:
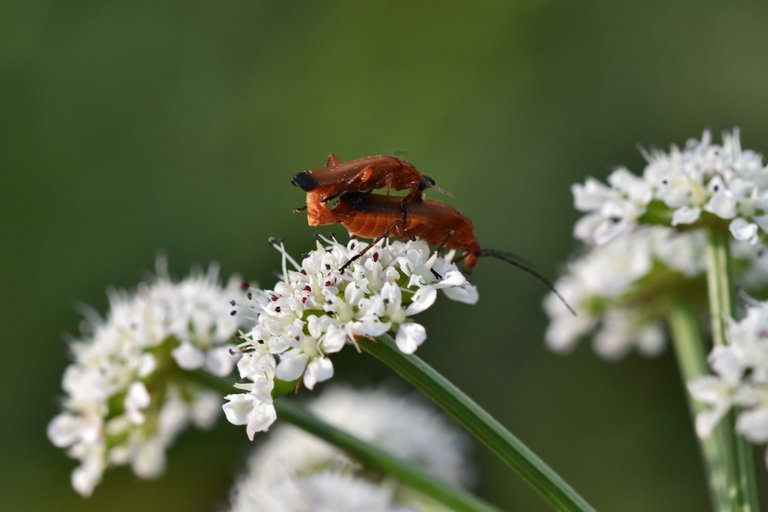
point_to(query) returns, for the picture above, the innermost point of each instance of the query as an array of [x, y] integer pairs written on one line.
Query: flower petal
[[409, 336]]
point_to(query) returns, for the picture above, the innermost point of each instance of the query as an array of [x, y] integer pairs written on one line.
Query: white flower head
[[740, 378], [128, 393], [285, 469], [606, 281], [622, 288], [677, 188], [329, 300]]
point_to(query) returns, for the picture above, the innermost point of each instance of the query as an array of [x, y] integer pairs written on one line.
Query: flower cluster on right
[[685, 187], [740, 380], [645, 246]]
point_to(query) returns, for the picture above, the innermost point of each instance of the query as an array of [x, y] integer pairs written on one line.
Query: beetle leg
[[413, 197], [329, 198], [331, 161], [357, 182], [360, 254], [360, 180], [463, 257], [448, 235]]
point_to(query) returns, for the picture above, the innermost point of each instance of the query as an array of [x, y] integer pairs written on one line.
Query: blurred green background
[[129, 127]]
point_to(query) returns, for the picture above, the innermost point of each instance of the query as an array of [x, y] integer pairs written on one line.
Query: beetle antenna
[[511, 260], [442, 191]]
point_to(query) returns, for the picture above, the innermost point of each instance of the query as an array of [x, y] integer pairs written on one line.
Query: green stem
[[479, 423], [451, 497], [741, 467], [692, 359], [404, 472]]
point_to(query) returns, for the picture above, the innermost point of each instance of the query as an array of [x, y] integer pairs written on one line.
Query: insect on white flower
[[317, 309]]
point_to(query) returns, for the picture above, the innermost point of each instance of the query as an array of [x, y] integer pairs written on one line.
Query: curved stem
[[451, 497], [692, 360], [479, 423], [741, 466], [372, 456]]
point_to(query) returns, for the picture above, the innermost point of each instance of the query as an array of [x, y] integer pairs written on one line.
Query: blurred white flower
[[636, 258], [676, 188], [283, 474], [322, 491], [614, 288], [127, 392], [317, 309], [740, 378]]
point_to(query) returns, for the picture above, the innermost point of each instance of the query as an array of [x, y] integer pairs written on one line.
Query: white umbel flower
[[678, 188], [611, 286], [127, 391], [635, 261], [317, 309], [284, 471], [740, 378]]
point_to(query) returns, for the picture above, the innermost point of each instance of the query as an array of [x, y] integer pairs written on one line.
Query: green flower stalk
[[391, 437], [480, 424], [741, 482], [318, 309], [655, 243]]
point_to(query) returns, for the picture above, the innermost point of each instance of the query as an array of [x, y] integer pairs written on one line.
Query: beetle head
[[304, 181], [426, 182]]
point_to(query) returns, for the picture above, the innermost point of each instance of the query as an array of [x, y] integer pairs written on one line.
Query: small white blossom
[[317, 309], [283, 472], [720, 180], [127, 395], [621, 288], [613, 210], [636, 256], [603, 283], [740, 378]]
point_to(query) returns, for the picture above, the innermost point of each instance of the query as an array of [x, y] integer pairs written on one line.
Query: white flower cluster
[[127, 393], [612, 285], [317, 309], [296, 471], [676, 188], [740, 380]]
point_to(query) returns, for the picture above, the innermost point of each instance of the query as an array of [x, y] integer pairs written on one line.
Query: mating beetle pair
[[369, 215]]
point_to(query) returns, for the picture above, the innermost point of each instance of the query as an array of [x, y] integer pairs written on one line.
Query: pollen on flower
[[128, 392], [317, 308]]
